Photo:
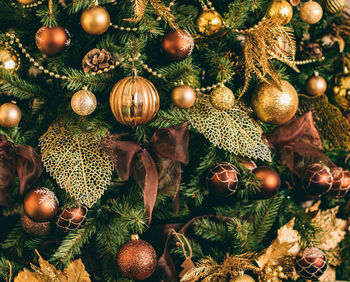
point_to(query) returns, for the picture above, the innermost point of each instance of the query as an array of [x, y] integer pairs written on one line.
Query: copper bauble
[[270, 181], [134, 100], [316, 85], [10, 115], [40, 204], [209, 22], [281, 10], [72, 218], [95, 20], [9, 59], [311, 12], [136, 259], [183, 96], [178, 44], [274, 105], [222, 98], [248, 164], [335, 6], [311, 263], [341, 183], [35, 228], [83, 102], [243, 278], [223, 179], [52, 41], [26, 2], [317, 180]]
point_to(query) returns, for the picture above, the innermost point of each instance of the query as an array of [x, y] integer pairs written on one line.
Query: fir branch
[[238, 12], [15, 240], [211, 230], [220, 66], [170, 118], [48, 14]]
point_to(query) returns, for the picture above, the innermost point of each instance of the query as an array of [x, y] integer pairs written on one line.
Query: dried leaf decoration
[[232, 130], [79, 164]]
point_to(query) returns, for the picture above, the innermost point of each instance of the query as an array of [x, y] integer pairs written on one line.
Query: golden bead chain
[[27, 6], [298, 63]]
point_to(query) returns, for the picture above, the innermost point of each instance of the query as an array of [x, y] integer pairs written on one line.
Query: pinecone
[[310, 50], [97, 60]]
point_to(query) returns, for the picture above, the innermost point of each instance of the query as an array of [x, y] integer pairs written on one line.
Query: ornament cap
[[135, 237], [345, 70], [316, 73]]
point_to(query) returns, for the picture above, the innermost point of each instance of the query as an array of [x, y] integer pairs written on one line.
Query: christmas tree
[[174, 141]]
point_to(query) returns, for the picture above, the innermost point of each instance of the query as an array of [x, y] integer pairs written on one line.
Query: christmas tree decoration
[[77, 162], [95, 20], [178, 44], [96, 60], [316, 85], [10, 115], [72, 218], [183, 96], [223, 179], [243, 278], [222, 98], [9, 59], [35, 228], [52, 41], [248, 164], [40, 204], [83, 102], [26, 2], [317, 180], [341, 89], [275, 105], [210, 22], [335, 6], [311, 12], [270, 181], [134, 100], [341, 183], [280, 10], [311, 263], [136, 259], [244, 134]]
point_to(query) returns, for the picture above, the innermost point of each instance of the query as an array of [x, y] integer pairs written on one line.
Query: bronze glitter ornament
[[183, 96], [95, 20], [52, 41], [243, 278], [40, 204], [72, 218], [136, 259], [9, 59], [274, 105], [134, 100], [341, 183], [83, 102], [270, 181], [311, 263], [35, 228], [335, 6], [317, 180], [223, 179], [316, 85], [222, 98], [280, 9], [178, 44], [209, 22], [10, 115], [311, 12]]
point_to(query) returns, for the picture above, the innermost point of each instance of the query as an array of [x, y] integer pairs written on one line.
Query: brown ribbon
[[170, 146], [22, 159]]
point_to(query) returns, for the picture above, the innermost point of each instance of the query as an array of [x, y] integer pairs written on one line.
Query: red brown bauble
[[311, 263], [223, 179], [270, 181], [71, 219], [136, 259], [178, 44], [248, 164], [317, 180], [40, 204], [52, 41], [35, 228], [341, 183]]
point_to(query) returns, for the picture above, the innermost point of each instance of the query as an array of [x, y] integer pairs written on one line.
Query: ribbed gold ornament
[[209, 22], [280, 9], [335, 6], [222, 98]]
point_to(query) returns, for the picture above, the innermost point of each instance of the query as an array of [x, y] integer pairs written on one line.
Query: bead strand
[[298, 63], [150, 70]]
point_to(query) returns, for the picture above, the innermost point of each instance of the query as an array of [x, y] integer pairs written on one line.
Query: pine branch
[[211, 230], [169, 118]]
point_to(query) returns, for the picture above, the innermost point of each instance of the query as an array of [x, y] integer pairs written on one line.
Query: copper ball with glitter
[[341, 183], [270, 181], [311, 263], [35, 228], [52, 41], [72, 218], [178, 44], [317, 180], [223, 179]]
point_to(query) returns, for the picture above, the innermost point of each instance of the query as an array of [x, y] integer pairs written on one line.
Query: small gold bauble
[[280, 9], [209, 22], [83, 102], [183, 96], [26, 2], [311, 12], [9, 59], [222, 98], [316, 85], [10, 115], [335, 6], [95, 20], [274, 105], [242, 278]]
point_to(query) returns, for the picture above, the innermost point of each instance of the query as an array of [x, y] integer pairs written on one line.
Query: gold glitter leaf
[[78, 163]]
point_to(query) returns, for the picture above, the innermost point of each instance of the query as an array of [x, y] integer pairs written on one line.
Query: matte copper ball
[[35, 228], [222, 98], [311, 12], [341, 183], [248, 164], [136, 259], [317, 180], [178, 44], [83, 102], [223, 179], [210, 22], [311, 263], [52, 41], [281, 10], [41, 204], [10, 115], [95, 20], [316, 85], [72, 218], [183, 96], [26, 2], [270, 181]]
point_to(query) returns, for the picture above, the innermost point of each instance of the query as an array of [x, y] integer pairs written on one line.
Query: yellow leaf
[[27, 276], [76, 272]]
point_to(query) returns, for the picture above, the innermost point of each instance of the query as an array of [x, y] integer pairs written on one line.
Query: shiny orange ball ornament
[[316, 85], [178, 44], [26, 2], [183, 96], [72, 218], [95, 20], [10, 115], [35, 228], [270, 181], [52, 41]]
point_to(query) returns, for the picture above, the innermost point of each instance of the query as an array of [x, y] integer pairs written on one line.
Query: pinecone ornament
[[311, 263], [96, 60], [310, 50]]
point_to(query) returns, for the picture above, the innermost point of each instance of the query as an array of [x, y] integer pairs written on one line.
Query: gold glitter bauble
[[183, 96], [243, 278], [311, 12], [83, 102], [274, 105], [335, 6], [26, 2], [9, 59], [222, 98], [280, 9], [316, 85], [95, 20], [209, 22], [10, 115]]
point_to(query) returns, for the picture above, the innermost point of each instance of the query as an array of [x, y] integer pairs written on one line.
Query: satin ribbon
[[169, 145]]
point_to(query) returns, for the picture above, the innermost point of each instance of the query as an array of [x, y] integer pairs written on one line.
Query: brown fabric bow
[[169, 145], [22, 159]]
